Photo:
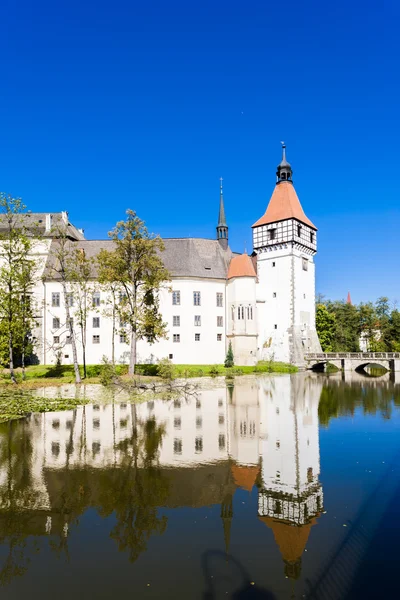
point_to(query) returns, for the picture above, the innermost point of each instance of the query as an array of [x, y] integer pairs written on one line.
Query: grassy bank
[[219, 370], [41, 375], [15, 404]]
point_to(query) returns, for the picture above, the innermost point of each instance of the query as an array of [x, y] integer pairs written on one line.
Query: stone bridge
[[352, 361]]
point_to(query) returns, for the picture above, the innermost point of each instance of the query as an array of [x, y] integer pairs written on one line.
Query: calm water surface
[[275, 487]]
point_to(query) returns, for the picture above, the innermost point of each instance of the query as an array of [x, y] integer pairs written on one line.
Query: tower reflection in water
[[199, 451]]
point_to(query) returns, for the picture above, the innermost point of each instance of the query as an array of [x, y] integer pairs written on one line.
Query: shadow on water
[[221, 570]]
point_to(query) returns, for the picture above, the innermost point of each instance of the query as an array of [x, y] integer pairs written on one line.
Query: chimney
[[64, 216], [49, 220]]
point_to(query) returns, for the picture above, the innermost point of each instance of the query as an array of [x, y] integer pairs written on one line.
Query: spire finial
[[222, 228], [284, 172], [283, 151]]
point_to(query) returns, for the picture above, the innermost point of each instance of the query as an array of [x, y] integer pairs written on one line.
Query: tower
[[222, 227], [285, 242], [290, 499]]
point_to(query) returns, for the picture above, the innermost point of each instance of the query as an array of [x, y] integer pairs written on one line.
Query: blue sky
[[144, 105]]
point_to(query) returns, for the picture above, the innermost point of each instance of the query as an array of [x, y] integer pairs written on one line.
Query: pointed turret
[[284, 171], [222, 227], [348, 298]]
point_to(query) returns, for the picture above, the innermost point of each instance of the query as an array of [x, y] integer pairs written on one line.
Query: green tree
[[82, 287], [138, 270], [326, 327], [229, 360], [17, 277], [61, 259]]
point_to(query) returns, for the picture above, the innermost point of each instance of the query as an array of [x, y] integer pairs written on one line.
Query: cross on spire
[[222, 228]]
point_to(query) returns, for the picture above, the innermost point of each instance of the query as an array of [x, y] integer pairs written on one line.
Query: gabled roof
[[36, 223], [241, 266], [284, 204]]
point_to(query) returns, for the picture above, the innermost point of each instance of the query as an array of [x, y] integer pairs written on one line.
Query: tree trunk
[[11, 355], [71, 333], [113, 330], [23, 342], [132, 361]]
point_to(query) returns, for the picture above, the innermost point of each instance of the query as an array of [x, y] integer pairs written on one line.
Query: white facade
[[265, 307]]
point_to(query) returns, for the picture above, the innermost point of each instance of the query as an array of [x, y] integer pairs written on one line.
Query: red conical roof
[[284, 204], [348, 298]]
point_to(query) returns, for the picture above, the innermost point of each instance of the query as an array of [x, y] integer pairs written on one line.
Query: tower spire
[[222, 227], [284, 171]]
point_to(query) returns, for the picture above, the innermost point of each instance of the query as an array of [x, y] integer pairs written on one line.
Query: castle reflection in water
[[258, 432]]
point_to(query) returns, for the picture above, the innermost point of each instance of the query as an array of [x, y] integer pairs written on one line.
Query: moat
[[271, 487]]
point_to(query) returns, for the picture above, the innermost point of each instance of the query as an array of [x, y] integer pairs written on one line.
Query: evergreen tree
[[229, 360]]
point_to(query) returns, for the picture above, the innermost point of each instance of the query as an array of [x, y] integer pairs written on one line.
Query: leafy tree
[[105, 267], [80, 274], [17, 277], [137, 269], [60, 265], [229, 360], [326, 327]]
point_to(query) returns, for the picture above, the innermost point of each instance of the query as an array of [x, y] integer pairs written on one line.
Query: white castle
[[264, 304]]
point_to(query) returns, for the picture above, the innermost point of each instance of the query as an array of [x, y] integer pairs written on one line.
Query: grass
[[15, 404], [46, 375], [215, 370]]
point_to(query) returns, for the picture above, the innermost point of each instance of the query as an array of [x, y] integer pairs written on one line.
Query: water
[[275, 487]]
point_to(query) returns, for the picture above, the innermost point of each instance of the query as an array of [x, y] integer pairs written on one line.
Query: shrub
[[214, 371], [166, 369]]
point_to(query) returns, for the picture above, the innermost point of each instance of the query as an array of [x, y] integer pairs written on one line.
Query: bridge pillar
[[347, 364], [395, 364]]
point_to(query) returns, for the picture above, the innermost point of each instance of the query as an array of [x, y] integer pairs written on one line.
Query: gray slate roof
[[36, 222], [183, 257]]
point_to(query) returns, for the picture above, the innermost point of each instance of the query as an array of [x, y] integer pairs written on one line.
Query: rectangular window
[[55, 299], [56, 323], [275, 326], [305, 264], [176, 298], [271, 234], [96, 322], [68, 339], [221, 441], [274, 295], [198, 445], [176, 338], [220, 321], [196, 298], [96, 299], [56, 339], [69, 299], [220, 299], [240, 312], [273, 264], [71, 322], [312, 237], [199, 422], [177, 422], [96, 339], [122, 323], [219, 337], [298, 230], [197, 320], [196, 337], [177, 446], [170, 356], [122, 338], [176, 321]]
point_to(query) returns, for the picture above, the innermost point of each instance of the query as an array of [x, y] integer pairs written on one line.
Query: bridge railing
[[360, 355]]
